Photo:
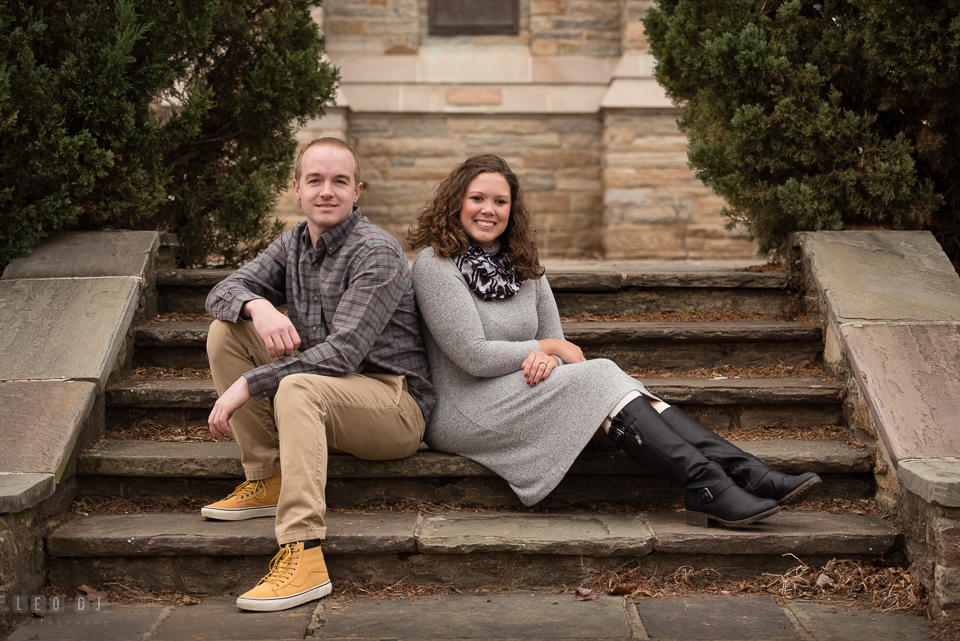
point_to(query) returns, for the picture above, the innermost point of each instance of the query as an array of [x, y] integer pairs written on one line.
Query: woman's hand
[[567, 351], [537, 366]]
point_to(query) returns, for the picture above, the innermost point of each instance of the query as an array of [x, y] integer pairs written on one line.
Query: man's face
[[326, 189]]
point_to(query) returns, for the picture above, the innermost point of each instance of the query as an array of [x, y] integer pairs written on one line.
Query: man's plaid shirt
[[350, 300]]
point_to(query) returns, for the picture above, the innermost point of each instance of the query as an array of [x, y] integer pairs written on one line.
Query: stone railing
[[889, 303], [66, 313]]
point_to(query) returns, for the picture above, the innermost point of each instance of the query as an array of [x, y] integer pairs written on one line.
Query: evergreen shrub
[[177, 115], [819, 114]]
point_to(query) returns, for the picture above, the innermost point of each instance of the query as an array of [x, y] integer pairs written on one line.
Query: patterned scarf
[[490, 277]]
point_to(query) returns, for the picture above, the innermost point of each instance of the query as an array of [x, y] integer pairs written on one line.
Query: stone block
[[883, 275], [88, 254], [935, 480], [909, 376], [467, 124], [515, 142], [65, 328], [219, 618], [715, 617], [41, 423], [476, 616], [791, 532], [946, 592], [564, 534], [343, 27], [174, 534], [132, 621], [21, 491], [562, 158]]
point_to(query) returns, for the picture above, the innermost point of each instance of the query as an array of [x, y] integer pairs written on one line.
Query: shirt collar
[[333, 239]]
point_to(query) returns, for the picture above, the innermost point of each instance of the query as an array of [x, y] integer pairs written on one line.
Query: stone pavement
[[494, 615]]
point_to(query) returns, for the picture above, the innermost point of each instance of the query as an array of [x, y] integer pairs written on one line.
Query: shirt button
[[316, 264], [314, 328], [314, 299]]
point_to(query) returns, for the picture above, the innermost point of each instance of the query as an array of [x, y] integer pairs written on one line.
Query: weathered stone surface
[[191, 277], [788, 532], [201, 393], [192, 334], [219, 618], [909, 376], [117, 623], [672, 346], [947, 588], [41, 422], [174, 534], [741, 331], [717, 280], [585, 281], [935, 480], [495, 616], [715, 617], [745, 390], [565, 534], [882, 275], [65, 328], [637, 299], [152, 459], [830, 622], [163, 393], [20, 491], [162, 459], [89, 254]]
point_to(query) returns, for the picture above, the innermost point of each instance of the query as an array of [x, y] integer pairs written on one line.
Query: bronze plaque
[[455, 17]]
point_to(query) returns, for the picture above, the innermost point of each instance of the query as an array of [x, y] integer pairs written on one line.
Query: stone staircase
[[465, 527]]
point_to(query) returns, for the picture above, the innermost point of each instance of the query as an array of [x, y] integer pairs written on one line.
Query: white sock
[[660, 407]]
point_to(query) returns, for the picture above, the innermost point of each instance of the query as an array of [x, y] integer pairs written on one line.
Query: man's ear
[[296, 189], [356, 194]]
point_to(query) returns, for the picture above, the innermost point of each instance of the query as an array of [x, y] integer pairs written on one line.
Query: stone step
[[185, 290], [718, 404], [209, 471], [468, 549], [671, 346]]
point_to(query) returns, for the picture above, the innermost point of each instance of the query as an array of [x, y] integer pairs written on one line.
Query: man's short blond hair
[[331, 142]]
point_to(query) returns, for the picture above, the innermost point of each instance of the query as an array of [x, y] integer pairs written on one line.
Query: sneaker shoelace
[[247, 488], [282, 566]]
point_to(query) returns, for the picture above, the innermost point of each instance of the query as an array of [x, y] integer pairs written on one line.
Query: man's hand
[[231, 400], [566, 350], [276, 330]]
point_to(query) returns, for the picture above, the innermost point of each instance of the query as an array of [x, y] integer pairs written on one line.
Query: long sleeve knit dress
[[529, 435]]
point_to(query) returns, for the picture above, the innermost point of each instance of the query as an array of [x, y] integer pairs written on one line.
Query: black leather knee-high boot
[[749, 472], [712, 496]]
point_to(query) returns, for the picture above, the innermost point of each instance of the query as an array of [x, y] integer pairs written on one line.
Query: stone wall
[[569, 101]]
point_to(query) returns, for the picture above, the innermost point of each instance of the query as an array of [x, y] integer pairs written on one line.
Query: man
[[346, 367]]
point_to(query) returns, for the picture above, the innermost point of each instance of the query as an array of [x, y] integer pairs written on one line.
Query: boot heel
[[699, 519]]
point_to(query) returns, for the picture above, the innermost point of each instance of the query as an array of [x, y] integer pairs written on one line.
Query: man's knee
[[219, 336], [295, 388]]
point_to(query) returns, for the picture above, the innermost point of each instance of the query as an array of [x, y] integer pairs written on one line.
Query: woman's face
[[486, 208]]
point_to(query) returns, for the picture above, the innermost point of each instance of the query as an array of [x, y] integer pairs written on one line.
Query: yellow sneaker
[[250, 500], [296, 576]]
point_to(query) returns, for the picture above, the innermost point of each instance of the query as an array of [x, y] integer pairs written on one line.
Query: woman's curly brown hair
[[438, 224]]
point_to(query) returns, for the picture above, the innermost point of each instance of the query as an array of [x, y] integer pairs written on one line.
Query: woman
[[516, 397]]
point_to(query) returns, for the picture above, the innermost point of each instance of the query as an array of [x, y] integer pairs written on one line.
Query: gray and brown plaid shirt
[[350, 300]]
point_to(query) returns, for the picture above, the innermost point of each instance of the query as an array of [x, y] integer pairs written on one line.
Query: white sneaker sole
[[283, 603], [222, 514]]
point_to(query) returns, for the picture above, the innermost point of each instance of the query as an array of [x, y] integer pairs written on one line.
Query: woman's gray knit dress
[[529, 435]]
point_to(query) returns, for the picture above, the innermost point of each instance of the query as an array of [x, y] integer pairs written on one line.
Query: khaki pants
[[371, 416]]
